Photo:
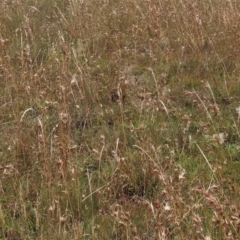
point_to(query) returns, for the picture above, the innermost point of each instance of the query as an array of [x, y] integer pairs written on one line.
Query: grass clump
[[119, 120]]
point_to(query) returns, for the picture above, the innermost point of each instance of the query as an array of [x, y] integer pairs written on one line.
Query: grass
[[119, 120]]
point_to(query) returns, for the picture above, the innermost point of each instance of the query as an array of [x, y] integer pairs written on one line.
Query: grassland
[[119, 119]]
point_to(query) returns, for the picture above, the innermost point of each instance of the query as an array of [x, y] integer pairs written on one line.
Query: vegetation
[[119, 119]]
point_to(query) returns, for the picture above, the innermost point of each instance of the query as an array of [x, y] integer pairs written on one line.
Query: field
[[120, 119]]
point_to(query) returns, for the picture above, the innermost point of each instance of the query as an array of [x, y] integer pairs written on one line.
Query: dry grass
[[119, 120]]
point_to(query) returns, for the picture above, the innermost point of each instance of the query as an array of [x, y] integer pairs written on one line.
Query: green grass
[[119, 120]]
